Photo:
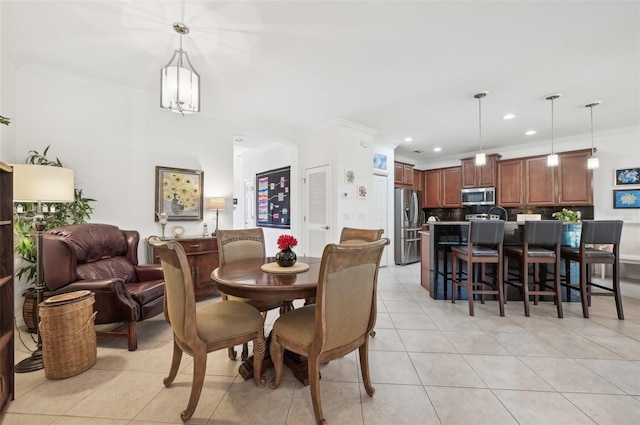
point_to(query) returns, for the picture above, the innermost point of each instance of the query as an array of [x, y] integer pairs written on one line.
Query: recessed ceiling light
[[408, 139], [437, 149], [530, 132], [508, 116]]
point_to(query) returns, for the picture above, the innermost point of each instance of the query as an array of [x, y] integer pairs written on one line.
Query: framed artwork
[[627, 176], [380, 161], [626, 198], [273, 198], [179, 193], [349, 176], [362, 192]]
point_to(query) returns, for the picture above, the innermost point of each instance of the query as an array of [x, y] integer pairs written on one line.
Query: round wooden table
[[246, 279]]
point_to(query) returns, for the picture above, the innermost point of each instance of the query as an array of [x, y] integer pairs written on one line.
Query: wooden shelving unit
[[7, 383]]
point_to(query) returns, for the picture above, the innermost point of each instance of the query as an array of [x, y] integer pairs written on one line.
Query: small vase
[[176, 208], [286, 258]]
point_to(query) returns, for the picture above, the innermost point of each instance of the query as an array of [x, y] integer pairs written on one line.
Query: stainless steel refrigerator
[[407, 225]]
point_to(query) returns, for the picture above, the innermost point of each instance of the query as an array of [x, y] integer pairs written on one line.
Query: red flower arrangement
[[286, 241]]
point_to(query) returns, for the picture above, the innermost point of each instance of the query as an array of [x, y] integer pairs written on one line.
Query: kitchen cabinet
[[7, 383], [479, 176], [418, 183], [575, 180], [403, 175], [451, 186], [442, 188], [510, 184], [432, 188], [202, 253], [530, 182], [540, 182]]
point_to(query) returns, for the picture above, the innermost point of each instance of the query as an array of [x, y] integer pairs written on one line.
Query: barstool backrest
[[543, 232], [486, 232], [601, 232]]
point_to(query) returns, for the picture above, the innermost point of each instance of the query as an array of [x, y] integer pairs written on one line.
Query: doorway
[[317, 209], [249, 204], [380, 195]]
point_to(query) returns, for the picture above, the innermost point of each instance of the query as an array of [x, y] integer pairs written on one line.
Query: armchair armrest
[[113, 301], [147, 272]]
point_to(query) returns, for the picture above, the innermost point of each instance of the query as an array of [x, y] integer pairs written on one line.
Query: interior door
[[317, 214], [380, 209], [249, 204]]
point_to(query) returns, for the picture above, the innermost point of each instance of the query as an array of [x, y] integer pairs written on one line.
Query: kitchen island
[[436, 256]]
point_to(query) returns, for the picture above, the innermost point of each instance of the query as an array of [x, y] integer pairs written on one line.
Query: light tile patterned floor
[[430, 364]]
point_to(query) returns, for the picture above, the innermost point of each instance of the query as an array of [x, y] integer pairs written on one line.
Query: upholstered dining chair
[[339, 322], [237, 245], [596, 233], [199, 331], [484, 246], [540, 246], [352, 235]]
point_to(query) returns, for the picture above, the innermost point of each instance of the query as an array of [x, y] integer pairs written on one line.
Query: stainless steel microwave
[[479, 196]]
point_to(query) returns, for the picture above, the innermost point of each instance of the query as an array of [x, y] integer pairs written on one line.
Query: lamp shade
[[32, 183], [216, 203]]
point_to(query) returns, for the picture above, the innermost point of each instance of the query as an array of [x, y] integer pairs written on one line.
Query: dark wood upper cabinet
[[540, 182], [451, 185], [510, 184], [575, 180], [403, 175], [479, 176], [432, 189]]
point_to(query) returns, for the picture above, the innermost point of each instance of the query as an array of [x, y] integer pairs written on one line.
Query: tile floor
[[431, 363]]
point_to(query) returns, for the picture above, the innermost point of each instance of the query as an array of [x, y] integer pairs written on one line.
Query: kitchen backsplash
[[458, 214]]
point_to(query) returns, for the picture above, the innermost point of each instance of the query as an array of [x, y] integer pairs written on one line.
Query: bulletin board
[[273, 198]]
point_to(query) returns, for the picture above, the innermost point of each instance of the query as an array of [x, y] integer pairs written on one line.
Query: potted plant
[[78, 211], [572, 228]]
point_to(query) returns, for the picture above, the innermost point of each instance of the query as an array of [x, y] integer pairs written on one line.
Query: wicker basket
[[68, 334]]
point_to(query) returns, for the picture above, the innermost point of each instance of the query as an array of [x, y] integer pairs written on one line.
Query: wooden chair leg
[[454, 280], [616, 290], [132, 332], [556, 285], [583, 290], [314, 385], [525, 287], [175, 364], [364, 368], [231, 351], [259, 348], [277, 352], [470, 292], [199, 370]]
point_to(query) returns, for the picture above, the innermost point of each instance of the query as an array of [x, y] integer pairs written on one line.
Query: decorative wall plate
[[178, 231]]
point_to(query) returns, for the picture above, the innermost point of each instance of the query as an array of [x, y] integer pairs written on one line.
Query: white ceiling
[[403, 68]]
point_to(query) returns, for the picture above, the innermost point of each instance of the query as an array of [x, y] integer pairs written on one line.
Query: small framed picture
[[627, 176], [362, 192], [626, 198], [380, 161], [349, 176]]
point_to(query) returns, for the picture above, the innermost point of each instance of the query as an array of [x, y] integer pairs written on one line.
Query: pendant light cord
[[591, 108], [552, 150], [480, 123]]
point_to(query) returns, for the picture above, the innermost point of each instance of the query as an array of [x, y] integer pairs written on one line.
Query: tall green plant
[[78, 211]]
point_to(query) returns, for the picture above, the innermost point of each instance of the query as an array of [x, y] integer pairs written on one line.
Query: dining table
[[262, 279]]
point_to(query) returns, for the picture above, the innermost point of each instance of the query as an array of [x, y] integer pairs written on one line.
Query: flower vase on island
[[286, 257]]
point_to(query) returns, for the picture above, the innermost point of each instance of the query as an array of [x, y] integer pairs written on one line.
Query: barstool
[[484, 247], [541, 245], [595, 233]]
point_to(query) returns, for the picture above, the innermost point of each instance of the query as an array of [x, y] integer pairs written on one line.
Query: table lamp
[[217, 204], [40, 183]]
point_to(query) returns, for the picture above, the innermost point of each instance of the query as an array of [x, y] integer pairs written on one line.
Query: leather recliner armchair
[[104, 259]]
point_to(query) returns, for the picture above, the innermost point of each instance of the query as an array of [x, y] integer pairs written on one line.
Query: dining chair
[[595, 235], [199, 331], [352, 235], [484, 246], [339, 322], [540, 247], [238, 245]]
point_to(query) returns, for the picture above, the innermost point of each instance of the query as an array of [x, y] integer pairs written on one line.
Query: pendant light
[[592, 162], [552, 158], [179, 82], [481, 158]]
